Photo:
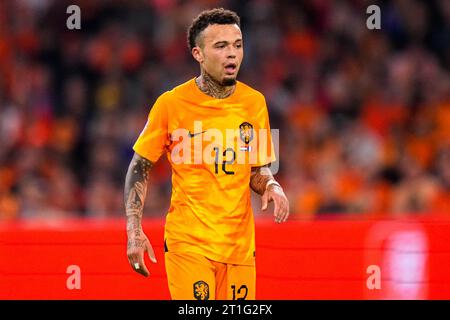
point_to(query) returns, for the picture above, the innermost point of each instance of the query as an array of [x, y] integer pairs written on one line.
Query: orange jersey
[[211, 145]]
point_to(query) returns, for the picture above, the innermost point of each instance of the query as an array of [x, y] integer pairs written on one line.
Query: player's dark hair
[[208, 17]]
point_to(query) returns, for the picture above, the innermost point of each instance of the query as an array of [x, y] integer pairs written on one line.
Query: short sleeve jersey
[[211, 145]]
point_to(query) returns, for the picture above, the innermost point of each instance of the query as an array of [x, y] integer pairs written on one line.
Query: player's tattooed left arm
[[263, 183], [259, 178]]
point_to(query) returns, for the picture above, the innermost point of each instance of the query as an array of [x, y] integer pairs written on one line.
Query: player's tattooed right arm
[[135, 192]]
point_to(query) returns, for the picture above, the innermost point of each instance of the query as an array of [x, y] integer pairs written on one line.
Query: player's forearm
[[259, 178], [135, 192]]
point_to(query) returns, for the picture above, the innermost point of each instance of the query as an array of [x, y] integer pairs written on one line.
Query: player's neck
[[212, 88]]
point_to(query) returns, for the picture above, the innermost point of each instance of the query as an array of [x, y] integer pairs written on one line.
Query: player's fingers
[[131, 263], [142, 269], [137, 262], [285, 215], [277, 207], [285, 211], [151, 253], [133, 259], [264, 201]]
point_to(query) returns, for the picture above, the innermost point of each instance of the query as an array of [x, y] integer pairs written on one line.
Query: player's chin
[[229, 80]]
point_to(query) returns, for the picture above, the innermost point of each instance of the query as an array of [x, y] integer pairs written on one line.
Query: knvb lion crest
[[201, 290], [246, 132]]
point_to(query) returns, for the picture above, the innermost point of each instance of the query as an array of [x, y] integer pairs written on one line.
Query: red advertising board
[[318, 259]]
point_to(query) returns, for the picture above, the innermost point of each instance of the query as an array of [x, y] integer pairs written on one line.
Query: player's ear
[[197, 54]]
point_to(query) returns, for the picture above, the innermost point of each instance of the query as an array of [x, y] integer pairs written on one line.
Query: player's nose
[[231, 55], [231, 52]]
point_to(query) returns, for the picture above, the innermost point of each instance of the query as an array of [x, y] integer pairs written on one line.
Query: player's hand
[[281, 204], [137, 245]]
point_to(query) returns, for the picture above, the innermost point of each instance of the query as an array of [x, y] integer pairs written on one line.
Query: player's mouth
[[230, 68]]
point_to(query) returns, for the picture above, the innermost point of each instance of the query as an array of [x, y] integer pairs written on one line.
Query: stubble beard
[[226, 82]]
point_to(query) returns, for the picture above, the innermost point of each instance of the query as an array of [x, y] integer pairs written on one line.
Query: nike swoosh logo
[[195, 134]]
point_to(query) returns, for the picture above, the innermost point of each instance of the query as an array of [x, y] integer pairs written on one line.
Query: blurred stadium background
[[364, 116]]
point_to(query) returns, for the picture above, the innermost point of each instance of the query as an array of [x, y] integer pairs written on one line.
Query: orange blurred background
[[364, 115]]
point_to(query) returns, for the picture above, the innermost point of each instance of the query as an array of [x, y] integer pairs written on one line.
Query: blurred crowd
[[364, 115]]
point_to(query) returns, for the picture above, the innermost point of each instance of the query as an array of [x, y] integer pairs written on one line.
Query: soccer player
[[209, 233]]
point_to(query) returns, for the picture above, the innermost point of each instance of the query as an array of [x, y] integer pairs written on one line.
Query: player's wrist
[[274, 183]]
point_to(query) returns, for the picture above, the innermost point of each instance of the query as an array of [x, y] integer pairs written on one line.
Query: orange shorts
[[193, 276]]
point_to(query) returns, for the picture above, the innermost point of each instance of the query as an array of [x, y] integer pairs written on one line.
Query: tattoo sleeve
[[259, 178], [135, 192]]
